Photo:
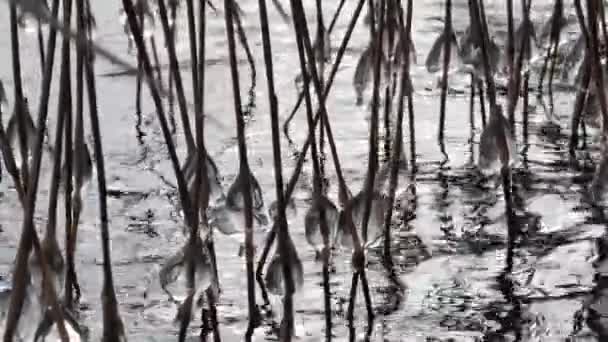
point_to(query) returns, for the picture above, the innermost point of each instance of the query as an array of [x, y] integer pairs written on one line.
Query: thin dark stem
[[525, 109], [352, 298], [602, 13], [201, 88], [66, 106], [301, 95], [20, 109], [278, 172], [367, 296], [142, 22], [412, 129], [373, 136], [300, 162], [397, 140], [343, 191], [177, 78], [592, 16], [243, 168], [447, 35], [113, 329], [511, 51], [336, 15], [515, 76], [298, 17], [181, 183], [243, 40], [512, 230], [159, 75], [41, 46], [482, 103], [11, 167], [193, 52], [579, 103], [485, 43], [556, 35], [472, 103], [29, 236], [581, 95]]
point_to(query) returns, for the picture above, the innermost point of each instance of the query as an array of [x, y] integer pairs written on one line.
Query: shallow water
[[449, 255]]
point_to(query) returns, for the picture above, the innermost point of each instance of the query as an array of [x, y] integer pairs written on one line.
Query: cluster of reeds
[[46, 287]]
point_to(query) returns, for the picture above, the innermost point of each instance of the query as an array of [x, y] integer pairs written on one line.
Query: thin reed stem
[[181, 183], [142, 23], [65, 111], [193, 52], [447, 47], [343, 191], [525, 111], [511, 52], [20, 109], [281, 219], [300, 162], [373, 136], [317, 183], [582, 93], [177, 78], [301, 94], [515, 75], [40, 37], [113, 329], [485, 43], [243, 169], [397, 140], [501, 138], [592, 46], [29, 236]]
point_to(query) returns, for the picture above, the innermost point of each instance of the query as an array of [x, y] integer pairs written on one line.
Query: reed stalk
[[582, 92], [244, 169], [29, 237], [478, 10], [142, 22], [177, 78], [113, 329], [19, 97], [281, 219], [397, 140], [299, 19], [596, 66], [447, 34], [200, 113], [301, 94], [300, 162]]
